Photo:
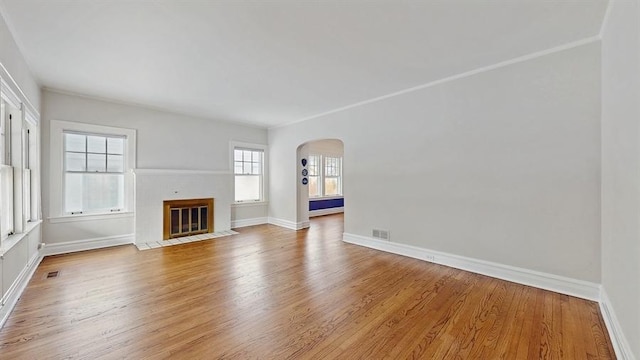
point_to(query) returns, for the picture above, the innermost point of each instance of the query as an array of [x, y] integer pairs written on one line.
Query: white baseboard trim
[[18, 286], [321, 212], [560, 284], [88, 244], [289, 224], [618, 340], [248, 222]]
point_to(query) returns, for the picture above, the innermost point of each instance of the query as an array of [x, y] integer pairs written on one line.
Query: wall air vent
[[380, 234]]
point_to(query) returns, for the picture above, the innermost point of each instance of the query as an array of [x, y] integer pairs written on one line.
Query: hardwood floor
[[272, 293]]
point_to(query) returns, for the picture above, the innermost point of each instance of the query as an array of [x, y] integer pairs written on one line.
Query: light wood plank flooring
[[272, 293]]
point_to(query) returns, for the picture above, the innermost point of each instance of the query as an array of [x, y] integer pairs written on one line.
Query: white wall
[[502, 166], [20, 252], [156, 186], [16, 67], [164, 141], [621, 167], [332, 147], [253, 214], [302, 193]]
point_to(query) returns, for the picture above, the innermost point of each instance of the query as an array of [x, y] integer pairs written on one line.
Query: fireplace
[[187, 217]]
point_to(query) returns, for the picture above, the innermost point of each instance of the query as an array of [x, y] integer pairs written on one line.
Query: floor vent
[[52, 274]]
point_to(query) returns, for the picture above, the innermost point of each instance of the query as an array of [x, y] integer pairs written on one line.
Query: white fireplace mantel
[[153, 186]]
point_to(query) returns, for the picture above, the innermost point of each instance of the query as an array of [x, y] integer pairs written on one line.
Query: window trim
[[338, 168], [86, 170], [14, 153], [233, 145], [57, 170], [318, 175], [32, 159]]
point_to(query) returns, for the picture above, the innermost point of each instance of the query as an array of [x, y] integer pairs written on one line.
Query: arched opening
[[320, 174]]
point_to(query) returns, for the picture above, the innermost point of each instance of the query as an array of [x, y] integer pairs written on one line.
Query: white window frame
[[5, 136], [87, 153], [322, 175], [318, 175], [32, 172], [28, 137], [338, 177], [19, 164], [233, 145], [56, 155], [21, 175], [8, 209]]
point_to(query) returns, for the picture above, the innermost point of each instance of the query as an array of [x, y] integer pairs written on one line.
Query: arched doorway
[[320, 189]]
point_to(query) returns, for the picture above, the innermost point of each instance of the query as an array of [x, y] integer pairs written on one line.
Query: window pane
[[115, 163], [257, 156], [332, 166], [75, 161], [97, 144], [97, 192], [313, 186], [331, 187], [6, 199], [255, 168], [246, 155], [73, 185], [96, 162], [115, 145], [247, 168], [26, 178], [247, 187], [237, 169], [313, 165], [237, 155], [75, 142]]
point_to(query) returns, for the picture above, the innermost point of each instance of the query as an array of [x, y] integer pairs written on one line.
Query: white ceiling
[[272, 62]]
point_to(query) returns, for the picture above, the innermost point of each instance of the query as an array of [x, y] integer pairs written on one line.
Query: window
[[26, 178], [6, 173], [332, 183], [325, 176], [19, 169], [248, 169], [93, 173], [314, 175], [5, 137], [90, 171]]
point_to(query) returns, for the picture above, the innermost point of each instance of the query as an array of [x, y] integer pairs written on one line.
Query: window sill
[[13, 240], [89, 217], [249, 203], [326, 198]]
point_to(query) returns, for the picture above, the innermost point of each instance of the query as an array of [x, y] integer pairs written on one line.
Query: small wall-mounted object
[[305, 172], [380, 234], [304, 162], [305, 181]]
